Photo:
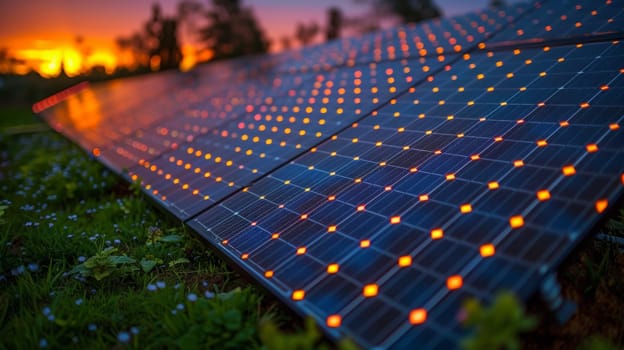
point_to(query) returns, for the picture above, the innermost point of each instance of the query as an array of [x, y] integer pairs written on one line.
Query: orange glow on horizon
[[51, 59], [51, 62]]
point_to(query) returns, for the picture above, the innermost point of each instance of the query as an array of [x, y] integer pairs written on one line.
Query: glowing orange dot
[[275, 236], [591, 148], [564, 123], [454, 282], [516, 221], [331, 198], [268, 273], [474, 157], [301, 250], [97, 152], [423, 197], [601, 205], [604, 87], [541, 143], [450, 177], [543, 195], [361, 207], [584, 105], [569, 170], [405, 260], [333, 321], [487, 250], [465, 208], [418, 316], [370, 290], [395, 220], [437, 233], [614, 126], [365, 243], [518, 163], [244, 256], [388, 188], [498, 139], [331, 228], [492, 185], [224, 242], [298, 294], [413, 170], [333, 268], [304, 216]]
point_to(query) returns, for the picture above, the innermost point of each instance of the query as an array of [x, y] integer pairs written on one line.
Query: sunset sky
[[45, 30]]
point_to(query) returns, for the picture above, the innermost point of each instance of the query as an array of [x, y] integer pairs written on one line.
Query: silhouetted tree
[[409, 11], [232, 30], [188, 11], [163, 40], [305, 33], [136, 45], [334, 23]]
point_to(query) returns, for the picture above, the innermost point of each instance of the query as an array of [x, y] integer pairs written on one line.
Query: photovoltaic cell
[[377, 182]]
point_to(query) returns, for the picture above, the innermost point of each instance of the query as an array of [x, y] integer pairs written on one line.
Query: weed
[[105, 264], [497, 326]]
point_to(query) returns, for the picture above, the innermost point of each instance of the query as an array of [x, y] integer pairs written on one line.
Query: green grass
[[60, 208]]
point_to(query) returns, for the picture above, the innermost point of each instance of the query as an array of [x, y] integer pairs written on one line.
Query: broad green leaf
[[147, 265]]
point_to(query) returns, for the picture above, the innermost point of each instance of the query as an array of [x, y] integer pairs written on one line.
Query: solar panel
[[377, 182], [456, 184]]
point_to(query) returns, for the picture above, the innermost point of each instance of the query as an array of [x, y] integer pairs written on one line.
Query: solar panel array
[[377, 182]]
